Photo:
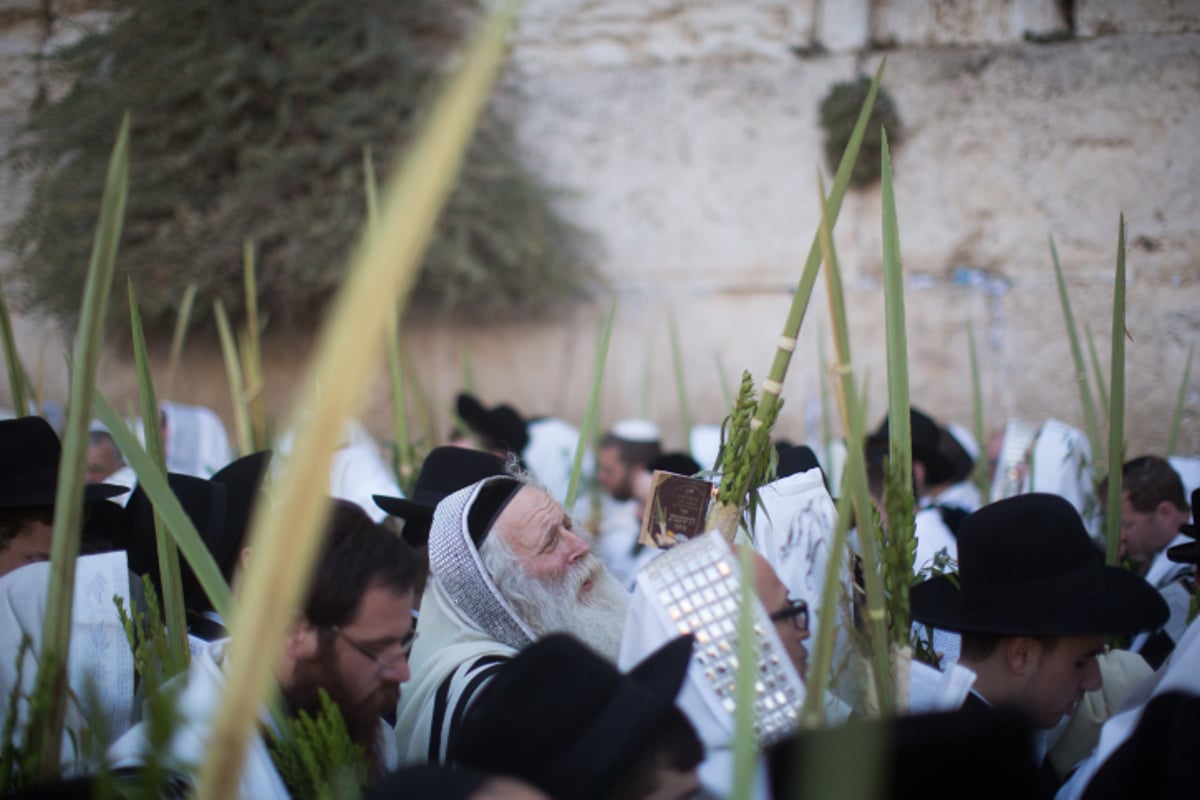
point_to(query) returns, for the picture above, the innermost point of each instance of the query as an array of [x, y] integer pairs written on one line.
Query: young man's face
[[30, 545], [361, 665], [372, 650], [1064, 669]]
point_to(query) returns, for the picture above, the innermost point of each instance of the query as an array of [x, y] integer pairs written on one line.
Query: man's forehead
[[531, 510]]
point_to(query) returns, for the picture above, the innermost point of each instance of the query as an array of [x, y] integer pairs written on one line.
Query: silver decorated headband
[[454, 560]]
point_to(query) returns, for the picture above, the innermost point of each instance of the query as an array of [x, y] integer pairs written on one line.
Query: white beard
[[596, 619]]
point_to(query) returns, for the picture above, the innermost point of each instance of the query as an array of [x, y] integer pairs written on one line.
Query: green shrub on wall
[[838, 113], [250, 120]]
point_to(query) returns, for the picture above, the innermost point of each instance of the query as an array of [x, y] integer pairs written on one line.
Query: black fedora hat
[[1027, 567], [220, 509], [444, 471], [29, 457], [566, 720], [1189, 552], [500, 428], [929, 446]]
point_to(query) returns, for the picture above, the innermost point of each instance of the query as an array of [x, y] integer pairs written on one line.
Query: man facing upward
[[1153, 509], [351, 639], [506, 567]]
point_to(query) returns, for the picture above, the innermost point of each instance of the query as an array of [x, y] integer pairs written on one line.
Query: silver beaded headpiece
[[454, 561], [698, 589]]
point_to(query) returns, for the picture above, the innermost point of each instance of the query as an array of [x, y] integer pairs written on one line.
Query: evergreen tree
[[250, 121]]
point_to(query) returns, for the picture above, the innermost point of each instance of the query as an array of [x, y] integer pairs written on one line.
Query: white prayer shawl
[[356, 469], [464, 617], [793, 529], [198, 705], [1181, 672], [1062, 465], [550, 455], [616, 543], [704, 442], [197, 443], [100, 664], [1164, 575], [705, 697], [932, 537]]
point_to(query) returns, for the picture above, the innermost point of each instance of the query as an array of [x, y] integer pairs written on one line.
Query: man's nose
[[577, 546], [397, 671]]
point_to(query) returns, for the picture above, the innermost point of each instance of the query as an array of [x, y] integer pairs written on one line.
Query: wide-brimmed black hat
[[564, 719], [932, 445], [29, 456], [444, 472], [1188, 553], [1027, 567], [500, 427], [220, 509]]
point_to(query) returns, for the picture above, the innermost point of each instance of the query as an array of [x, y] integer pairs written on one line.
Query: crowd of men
[[481, 640]]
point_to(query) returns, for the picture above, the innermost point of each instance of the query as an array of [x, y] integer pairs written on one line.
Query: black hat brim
[[404, 508], [1188, 553], [1126, 605], [45, 497]]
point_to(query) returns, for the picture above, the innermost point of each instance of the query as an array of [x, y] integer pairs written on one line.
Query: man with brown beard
[[506, 568], [351, 639]]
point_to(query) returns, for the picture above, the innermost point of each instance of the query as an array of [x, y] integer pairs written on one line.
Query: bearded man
[[506, 568], [351, 639]]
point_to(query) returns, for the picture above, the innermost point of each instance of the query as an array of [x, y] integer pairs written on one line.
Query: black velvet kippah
[[490, 501]]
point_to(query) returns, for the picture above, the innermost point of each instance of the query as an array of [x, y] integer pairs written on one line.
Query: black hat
[[678, 463], [220, 509], [427, 782], [1189, 552], [964, 747], [928, 446], [566, 720], [795, 458], [29, 456], [501, 428], [1027, 567], [444, 472]]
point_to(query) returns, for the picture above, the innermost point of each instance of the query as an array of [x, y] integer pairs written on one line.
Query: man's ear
[[1166, 511], [302, 642], [1022, 654]]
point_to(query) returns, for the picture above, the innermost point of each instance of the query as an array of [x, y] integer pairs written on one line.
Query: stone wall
[[687, 134]]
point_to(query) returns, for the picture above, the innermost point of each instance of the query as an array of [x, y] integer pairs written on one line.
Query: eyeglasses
[[406, 646], [796, 611]]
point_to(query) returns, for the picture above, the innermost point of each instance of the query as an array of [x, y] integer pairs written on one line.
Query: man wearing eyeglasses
[[351, 639]]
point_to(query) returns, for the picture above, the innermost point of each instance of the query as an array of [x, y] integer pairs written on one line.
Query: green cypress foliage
[[315, 757], [250, 120]]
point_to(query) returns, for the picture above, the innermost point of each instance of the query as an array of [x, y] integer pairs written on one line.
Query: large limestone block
[[954, 22], [589, 34], [1111, 17], [844, 26]]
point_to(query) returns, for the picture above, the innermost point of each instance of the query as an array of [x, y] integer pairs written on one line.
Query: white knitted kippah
[[636, 430]]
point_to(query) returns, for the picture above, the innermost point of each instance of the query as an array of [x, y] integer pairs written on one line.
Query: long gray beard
[[596, 620]]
